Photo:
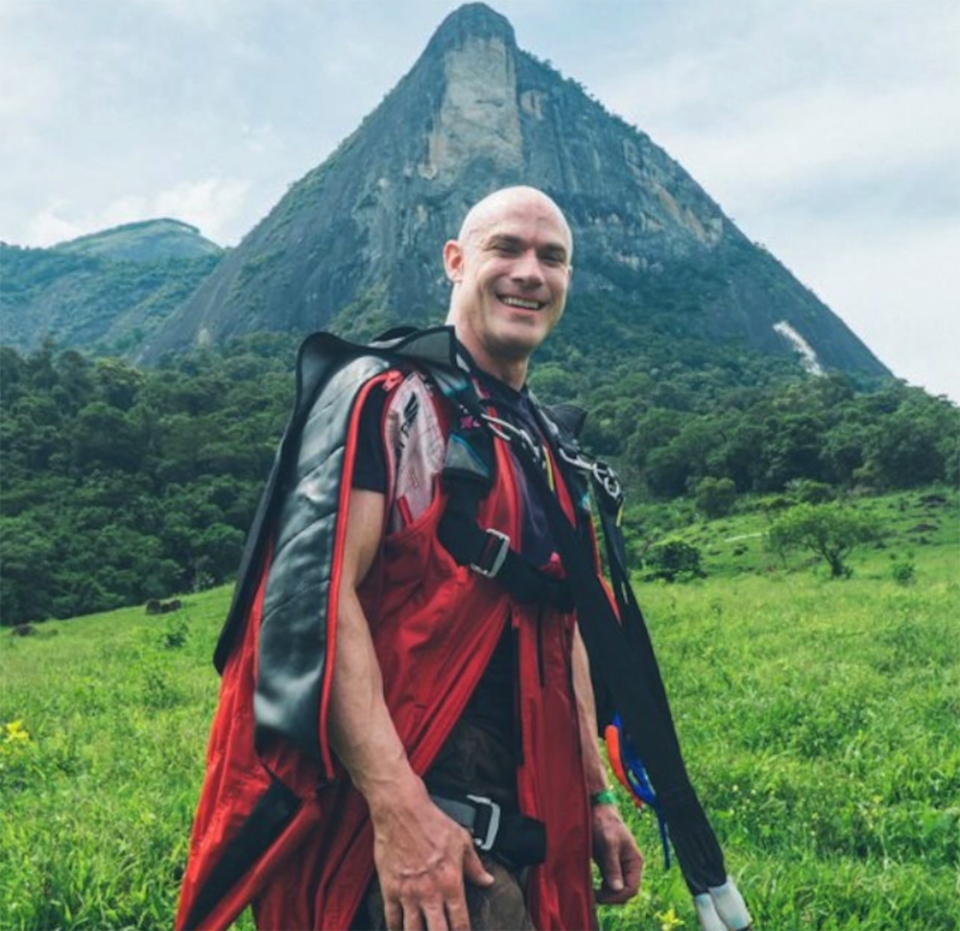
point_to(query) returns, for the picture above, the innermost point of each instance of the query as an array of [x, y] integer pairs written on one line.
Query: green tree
[[119, 384], [716, 496], [105, 437], [674, 469], [909, 450], [791, 449], [831, 531]]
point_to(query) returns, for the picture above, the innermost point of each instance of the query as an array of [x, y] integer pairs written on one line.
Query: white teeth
[[520, 302]]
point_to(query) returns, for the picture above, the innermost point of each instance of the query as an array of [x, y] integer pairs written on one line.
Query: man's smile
[[522, 302]]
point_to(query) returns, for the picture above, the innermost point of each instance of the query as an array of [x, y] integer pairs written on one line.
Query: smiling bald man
[[460, 779]]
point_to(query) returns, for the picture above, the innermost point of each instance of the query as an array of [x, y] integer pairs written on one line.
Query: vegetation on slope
[[97, 295], [145, 241], [120, 485]]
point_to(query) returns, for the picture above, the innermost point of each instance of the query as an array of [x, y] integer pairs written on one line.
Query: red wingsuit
[[289, 834]]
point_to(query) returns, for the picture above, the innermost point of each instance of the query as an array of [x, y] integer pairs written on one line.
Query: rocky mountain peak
[[355, 245], [473, 59], [472, 21]]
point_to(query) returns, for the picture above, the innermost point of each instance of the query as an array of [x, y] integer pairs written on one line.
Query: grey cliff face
[[356, 243]]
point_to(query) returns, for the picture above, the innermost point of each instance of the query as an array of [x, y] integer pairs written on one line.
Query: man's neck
[[512, 372]]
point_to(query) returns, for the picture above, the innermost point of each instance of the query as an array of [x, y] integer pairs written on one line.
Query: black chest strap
[[468, 475]]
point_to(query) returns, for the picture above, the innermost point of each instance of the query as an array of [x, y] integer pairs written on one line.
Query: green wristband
[[604, 797]]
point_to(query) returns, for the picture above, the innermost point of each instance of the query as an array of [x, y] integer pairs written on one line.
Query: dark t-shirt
[[492, 704]]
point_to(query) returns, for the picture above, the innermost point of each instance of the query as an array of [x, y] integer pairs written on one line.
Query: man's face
[[512, 273]]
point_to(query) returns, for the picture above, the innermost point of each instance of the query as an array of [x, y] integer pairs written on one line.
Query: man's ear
[[453, 260]]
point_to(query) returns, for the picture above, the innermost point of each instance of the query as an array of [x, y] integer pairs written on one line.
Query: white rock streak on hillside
[[808, 356]]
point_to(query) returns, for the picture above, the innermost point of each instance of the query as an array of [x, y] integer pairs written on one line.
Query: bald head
[[488, 211]]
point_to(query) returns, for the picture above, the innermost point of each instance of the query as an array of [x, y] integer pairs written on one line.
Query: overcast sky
[[827, 129]]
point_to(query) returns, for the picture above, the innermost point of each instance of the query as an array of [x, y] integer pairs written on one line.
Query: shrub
[[903, 573], [807, 491], [175, 635], [674, 561]]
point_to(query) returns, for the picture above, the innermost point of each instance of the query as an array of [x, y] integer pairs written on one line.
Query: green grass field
[[819, 719]]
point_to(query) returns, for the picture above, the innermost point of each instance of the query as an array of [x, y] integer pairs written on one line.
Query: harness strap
[[515, 838], [623, 654], [629, 668], [468, 476]]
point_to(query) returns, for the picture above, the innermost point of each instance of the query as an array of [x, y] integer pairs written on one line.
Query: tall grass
[[819, 719]]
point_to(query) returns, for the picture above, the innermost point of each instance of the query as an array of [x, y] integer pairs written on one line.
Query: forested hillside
[[120, 485], [103, 293]]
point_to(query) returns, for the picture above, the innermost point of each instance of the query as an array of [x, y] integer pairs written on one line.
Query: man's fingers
[[628, 868], [458, 915], [606, 896], [412, 916], [393, 914], [474, 869], [611, 869], [632, 871], [435, 916]]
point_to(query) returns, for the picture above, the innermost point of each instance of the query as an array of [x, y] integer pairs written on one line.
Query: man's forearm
[[362, 732]]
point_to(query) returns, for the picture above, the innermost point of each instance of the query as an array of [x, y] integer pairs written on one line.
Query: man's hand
[[422, 858], [616, 853]]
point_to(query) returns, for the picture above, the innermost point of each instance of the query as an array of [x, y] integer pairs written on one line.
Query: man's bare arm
[[420, 853], [614, 847]]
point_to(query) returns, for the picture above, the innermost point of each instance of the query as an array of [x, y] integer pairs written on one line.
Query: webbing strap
[[488, 552], [468, 475], [623, 653], [520, 840]]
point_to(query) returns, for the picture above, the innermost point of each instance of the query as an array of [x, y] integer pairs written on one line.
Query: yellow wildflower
[[15, 731], [669, 919]]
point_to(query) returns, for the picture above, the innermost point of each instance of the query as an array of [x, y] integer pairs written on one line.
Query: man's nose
[[527, 269]]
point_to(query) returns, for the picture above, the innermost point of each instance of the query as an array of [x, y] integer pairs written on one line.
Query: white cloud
[[212, 205], [348, 56], [128, 209], [32, 88], [827, 136], [12, 10], [261, 139], [47, 228]]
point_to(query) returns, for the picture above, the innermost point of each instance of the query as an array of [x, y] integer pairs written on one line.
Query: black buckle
[[492, 828], [499, 555]]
